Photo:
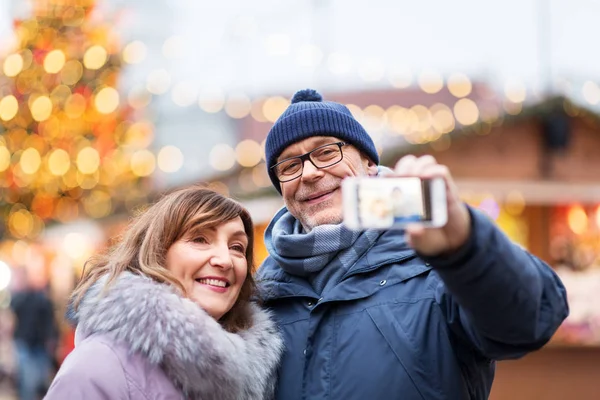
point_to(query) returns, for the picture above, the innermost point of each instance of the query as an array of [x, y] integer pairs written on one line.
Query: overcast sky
[[254, 46]]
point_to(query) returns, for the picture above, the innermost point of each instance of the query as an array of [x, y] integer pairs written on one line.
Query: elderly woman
[[167, 314]]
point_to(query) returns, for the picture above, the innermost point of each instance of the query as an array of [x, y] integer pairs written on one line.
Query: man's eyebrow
[[318, 142]]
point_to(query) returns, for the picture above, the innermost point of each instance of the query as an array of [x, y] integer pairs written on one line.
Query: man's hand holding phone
[[436, 241]]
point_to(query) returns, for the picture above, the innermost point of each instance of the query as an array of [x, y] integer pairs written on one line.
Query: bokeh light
[[356, 112], [88, 160], [139, 134], [13, 64], [30, 161], [184, 94], [274, 107], [107, 100], [54, 61], [20, 223], [442, 118], [222, 157], [170, 159], [41, 108], [577, 219], [256, 110], [515, 91], [143, 163], [72, 72], [9, 106], [75, 245], [490, 207], [591, 92], [95, 57], [238, 105], [98, 204], [4, 158], [134, 52], [466, 111], [459, 85], [248, 153], [158, 81], [211, 99], [430, 81], [59, 162], [260, 176], [5, 275]]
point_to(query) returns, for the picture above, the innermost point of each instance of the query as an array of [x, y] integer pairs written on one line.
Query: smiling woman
[[170, 300], [212, 266]]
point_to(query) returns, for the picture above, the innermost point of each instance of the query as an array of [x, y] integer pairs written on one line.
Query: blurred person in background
[[35, 334], [167, 314], [389, 314]]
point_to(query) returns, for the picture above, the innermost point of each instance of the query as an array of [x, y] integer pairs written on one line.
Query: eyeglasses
[[321, 157]]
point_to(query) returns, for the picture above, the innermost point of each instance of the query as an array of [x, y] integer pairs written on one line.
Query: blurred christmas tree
[[69, 146]]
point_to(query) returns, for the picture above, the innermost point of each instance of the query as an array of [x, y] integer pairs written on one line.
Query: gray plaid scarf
[[322, 256]]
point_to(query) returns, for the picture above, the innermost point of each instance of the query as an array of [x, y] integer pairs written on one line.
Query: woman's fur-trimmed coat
[[141, 340]]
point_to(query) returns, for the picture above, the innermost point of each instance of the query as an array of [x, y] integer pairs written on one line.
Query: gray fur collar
[[197, 354]]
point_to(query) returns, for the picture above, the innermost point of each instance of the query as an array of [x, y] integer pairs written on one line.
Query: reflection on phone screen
[[385, 202]]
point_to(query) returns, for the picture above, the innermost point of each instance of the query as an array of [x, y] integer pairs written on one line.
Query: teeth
[[213, 282]]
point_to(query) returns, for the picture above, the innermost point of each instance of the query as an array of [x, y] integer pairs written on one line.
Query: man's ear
[[371, 167]]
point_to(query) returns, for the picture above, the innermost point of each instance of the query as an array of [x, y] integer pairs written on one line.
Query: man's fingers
[[434, 171], [413, 166], [423, 163], [403, 166], [413, 234]]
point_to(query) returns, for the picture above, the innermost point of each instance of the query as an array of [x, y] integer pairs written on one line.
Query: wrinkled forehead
[[306, 145]]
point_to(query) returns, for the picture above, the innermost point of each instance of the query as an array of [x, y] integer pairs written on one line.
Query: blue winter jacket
[[399, 326]]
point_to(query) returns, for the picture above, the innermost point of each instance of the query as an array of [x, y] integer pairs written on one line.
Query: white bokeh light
[[5, 275]]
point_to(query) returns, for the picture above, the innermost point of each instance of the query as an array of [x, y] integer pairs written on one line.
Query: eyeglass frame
[[306, 156]]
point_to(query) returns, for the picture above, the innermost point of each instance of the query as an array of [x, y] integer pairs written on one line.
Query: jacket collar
[[196, 353], [390, 248]]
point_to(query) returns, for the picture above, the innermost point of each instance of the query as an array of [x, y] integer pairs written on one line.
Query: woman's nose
[[221, 257]]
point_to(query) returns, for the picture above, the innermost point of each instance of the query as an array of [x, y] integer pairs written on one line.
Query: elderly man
[[420, 314]]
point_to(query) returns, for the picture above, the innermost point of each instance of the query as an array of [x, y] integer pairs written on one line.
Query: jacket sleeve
[[92, 372], [496, 296]]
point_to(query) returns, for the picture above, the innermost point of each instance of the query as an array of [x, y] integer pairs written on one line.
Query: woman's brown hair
[[143, 246]]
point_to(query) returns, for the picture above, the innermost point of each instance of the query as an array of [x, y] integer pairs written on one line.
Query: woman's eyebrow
[[240, 233]]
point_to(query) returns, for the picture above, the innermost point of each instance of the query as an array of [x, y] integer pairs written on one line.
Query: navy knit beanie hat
[[308, 116]]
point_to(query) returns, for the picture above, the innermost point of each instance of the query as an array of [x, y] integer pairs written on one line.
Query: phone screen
[[384, 202]]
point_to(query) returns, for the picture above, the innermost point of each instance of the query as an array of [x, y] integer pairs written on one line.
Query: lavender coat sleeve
[[92, 371], [497, 296]]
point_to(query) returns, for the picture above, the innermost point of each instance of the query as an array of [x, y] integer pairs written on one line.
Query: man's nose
[[310, 172]]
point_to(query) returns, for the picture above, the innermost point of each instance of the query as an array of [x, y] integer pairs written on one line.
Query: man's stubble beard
[[307, 217], [333, 217]]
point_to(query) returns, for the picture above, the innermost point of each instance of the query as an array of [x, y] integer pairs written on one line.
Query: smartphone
[[393, 202]]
